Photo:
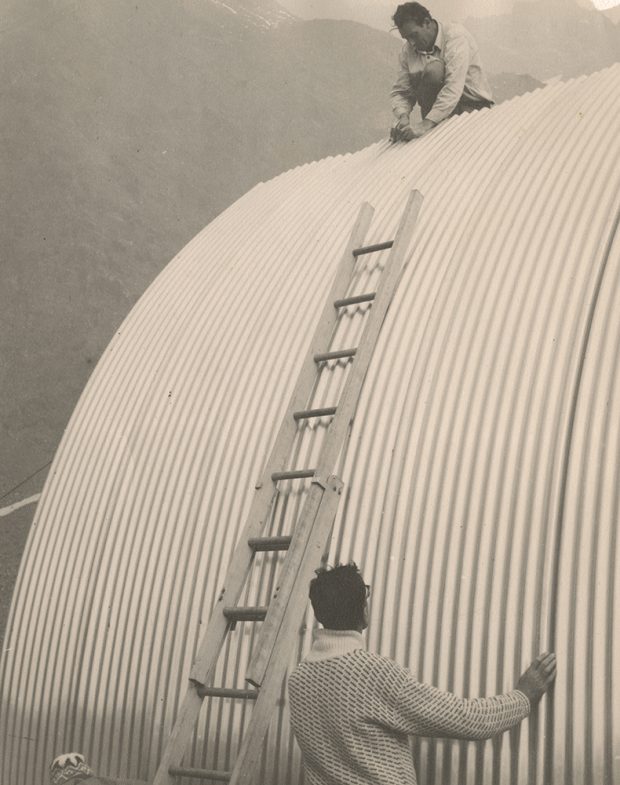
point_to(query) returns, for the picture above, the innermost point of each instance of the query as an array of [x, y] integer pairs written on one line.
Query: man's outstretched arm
[[403, 99], [423, 710]]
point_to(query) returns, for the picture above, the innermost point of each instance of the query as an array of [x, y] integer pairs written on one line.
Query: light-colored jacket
[[458, 50]]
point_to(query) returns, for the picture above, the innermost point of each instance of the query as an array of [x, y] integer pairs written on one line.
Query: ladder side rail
[[385, 291], [178, 740], [286, 580], [242, 557], [321, 339], [241, 560], [338, 428], [248, 759]]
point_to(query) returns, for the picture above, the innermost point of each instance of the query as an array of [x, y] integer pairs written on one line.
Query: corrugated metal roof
[[481, 475]]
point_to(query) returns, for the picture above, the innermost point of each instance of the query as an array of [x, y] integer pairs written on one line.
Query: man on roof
[[440, 70], [352, 711]]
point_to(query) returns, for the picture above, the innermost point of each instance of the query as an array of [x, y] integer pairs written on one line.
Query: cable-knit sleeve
[[423, 710]]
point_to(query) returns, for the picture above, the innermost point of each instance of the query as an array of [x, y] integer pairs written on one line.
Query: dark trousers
[[426, 87]]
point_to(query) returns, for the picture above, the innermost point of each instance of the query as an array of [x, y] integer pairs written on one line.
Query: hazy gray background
[[127, 126]]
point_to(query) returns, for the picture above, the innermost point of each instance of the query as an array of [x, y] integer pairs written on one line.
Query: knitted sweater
[[352, 713]]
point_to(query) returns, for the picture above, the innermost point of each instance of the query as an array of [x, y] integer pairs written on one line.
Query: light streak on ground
[[23, 503]]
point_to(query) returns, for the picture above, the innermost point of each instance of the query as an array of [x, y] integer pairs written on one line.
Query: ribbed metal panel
[[481, 474], [588, 581]]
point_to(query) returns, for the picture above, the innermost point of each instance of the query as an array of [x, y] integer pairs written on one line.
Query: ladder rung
[[307, 413], [358, 298], [269, 543], [321, 358], [226, 692], [372, 248], [200, 774], [247, 613], [295, 474]]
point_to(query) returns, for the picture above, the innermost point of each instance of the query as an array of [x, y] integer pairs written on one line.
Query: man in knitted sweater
[[352, 711]]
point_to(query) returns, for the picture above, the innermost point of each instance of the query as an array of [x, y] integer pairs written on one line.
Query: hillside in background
[[543, 38], [550, 39], [126, 128], [378, 13]]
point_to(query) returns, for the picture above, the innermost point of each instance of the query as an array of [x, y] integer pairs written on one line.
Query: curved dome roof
[[481, 473]]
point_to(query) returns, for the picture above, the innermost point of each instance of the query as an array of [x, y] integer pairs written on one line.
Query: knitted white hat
[[70, 768]]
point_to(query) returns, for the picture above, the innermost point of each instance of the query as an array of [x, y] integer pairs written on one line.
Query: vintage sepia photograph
[[310, 392]]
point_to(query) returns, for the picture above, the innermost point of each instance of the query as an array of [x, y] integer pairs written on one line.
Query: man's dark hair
[[411, 12], [338, 597]]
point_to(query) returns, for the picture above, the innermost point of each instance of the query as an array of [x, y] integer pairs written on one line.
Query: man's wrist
[[533, 695], [525, 695], [435, 116]]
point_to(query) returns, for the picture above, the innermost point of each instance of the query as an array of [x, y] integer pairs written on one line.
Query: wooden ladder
[[312, 532]]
